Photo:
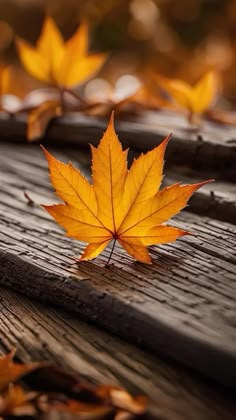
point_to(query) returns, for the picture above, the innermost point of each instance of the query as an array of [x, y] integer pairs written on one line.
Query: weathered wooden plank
[[217, 200], [187, 297], [41, 333], [212, 147]]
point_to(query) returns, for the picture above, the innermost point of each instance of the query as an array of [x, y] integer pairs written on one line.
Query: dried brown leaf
[[56, 390], [122, 400], [16, 402], [40, 117], [10, 371], [84, 410]]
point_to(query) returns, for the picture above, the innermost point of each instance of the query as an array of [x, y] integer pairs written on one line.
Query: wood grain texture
[[217, 200], [41, 333], [212, 147], [183, 306]]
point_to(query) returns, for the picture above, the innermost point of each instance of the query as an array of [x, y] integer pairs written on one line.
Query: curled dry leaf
[[40, 117], [100, 402], [10, 371], [122, 400], [85, 411], [16, 402], [57, 62], [122, 205], [57, 390]]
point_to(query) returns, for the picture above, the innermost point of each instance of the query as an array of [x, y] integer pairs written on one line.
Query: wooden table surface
[[40, 333], [182, 308]]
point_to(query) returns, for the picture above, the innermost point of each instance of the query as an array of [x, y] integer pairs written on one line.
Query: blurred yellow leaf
[[195, 99], [57, 62]]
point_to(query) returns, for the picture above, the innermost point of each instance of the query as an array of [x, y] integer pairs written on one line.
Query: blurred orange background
[[177, 39]]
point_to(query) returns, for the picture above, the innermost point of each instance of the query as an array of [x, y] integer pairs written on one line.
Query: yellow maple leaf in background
[[195, 99], [57, 62], [122, 205]]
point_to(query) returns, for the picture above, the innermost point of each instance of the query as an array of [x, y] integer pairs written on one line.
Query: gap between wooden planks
[[183, 306], [217, 200], [211, 147]]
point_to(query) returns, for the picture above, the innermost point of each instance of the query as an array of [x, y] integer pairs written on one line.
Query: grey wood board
[[216, 200], [42, 333], [182, 306], [210, 147], [19, 163]]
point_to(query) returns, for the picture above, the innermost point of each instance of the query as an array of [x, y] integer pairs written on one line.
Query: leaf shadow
[[125, 274]]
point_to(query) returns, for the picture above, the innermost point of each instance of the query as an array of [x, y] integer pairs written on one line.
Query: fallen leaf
[[98, 403], [58, 62], [123, 415], [85, 411], [16, 402], [39, 118], [195, 99], [122, 400], [10, 371], [121, 205], [54, 389]]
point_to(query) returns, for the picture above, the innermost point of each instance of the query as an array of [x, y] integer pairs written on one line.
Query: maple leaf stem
[[112, 249], [193, 119], [62, 98], [75, 95]]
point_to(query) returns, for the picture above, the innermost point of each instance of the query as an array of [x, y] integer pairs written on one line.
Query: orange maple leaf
[[10, 371], [196, 99], [57, 62], [122, 205]]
